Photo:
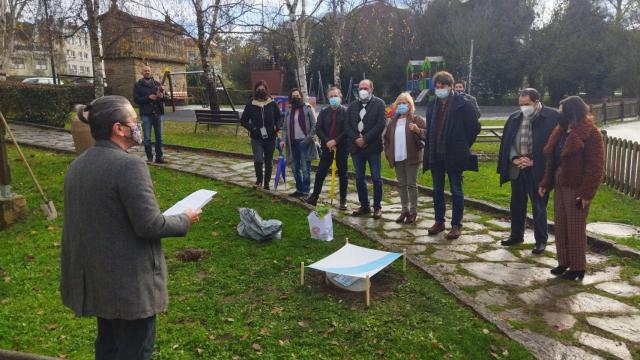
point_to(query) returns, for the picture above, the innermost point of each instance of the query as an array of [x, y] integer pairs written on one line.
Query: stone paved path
[[555, 319]]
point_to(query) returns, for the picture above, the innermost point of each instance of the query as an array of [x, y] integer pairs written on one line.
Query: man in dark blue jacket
[[521, 161], [452, 127], [149, 96], [366, 121]]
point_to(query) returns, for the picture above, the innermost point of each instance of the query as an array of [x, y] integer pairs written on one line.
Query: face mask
[[261, 94], [136, 134], [364, 94], [442, 93], [334, 101], [527, 110], [563, 121], [402, 108], [296, 102], [459, 92]]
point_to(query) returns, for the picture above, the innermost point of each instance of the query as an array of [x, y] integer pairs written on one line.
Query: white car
[[41, 80]]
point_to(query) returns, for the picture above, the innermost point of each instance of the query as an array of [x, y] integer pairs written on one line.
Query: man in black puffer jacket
[[149, 96]]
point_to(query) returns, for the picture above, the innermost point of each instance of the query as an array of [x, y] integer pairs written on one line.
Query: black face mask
[[563, 121], [261, 94], [296, 102]]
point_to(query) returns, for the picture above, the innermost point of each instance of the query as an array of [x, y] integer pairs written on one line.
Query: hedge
[[42, 104]]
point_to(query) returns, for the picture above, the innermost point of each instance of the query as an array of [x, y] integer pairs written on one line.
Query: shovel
[[47, 207]]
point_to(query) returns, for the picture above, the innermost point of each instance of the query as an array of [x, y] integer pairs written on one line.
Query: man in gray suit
[[112, 263]]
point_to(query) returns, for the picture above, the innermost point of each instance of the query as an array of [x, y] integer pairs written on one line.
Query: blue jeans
[[301, 166], [438, 172], [149, 121], [360, 164]]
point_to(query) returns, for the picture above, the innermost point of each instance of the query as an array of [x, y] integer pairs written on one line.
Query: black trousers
[[324, 167], [522, 189], [125, 339]]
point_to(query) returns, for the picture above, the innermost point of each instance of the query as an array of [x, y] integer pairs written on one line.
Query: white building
[[77, 52]]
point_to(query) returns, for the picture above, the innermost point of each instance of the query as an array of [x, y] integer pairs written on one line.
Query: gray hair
[[103, 112]]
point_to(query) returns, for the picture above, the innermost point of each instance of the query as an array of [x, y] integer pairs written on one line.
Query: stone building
[[30, 56], [130, 41]]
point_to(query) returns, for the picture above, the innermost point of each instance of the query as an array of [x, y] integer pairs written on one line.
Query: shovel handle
[[24, 159]]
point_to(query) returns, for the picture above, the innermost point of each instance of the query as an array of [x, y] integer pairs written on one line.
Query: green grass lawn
[[244, 300], [609, 204]]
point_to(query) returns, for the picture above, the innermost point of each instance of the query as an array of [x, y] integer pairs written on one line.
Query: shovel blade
[[49, 210]]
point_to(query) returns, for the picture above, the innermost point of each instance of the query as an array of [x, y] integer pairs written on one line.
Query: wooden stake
[[346, 240], [367, 286], [326, 279], [404, 260], [302, 273]]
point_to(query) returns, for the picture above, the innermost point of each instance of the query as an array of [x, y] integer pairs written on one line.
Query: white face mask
[[527, 110], [364, 94]]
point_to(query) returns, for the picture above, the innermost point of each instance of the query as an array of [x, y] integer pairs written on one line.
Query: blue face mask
[[334, 101], [402, 108], [442, 93]]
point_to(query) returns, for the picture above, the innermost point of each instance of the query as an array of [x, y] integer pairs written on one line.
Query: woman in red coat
[[575, 168]]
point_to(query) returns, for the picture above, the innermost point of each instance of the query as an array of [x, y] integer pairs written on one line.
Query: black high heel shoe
[[573, 275], [559, 270]]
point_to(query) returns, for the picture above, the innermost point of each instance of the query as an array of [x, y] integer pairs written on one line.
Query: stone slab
[[443, 268], [559, 321], [608, 274], [627, 327], [498, 255], [415, 249], [585, 302], [536, 297], [509, 274], [473, 226], [543, 260], [500, 224], [615, 348], [613, 229], [493, 297], [447, 255], [468, 248], [516, 314], [623, 289], [474, 239], [390, 225], [462, 280]]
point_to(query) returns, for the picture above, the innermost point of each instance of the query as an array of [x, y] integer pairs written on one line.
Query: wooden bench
[[491, 133], [219, 117]]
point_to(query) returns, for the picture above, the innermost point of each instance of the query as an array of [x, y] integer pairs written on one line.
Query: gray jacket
[[310, 123], [111, 260]]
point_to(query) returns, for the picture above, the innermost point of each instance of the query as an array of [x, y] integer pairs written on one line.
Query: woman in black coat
[[261, 117]]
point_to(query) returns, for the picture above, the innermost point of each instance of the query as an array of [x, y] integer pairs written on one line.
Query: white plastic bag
[[320, 228]]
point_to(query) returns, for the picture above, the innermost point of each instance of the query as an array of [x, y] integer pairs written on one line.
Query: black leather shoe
[[312, 200], [559, 270], [161, 161], [343, 204], [511, 241], [362, 210], [539, 249], [573, 275], [296, 194]]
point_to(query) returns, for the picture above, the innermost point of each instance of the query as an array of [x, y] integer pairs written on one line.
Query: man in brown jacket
[[111, 260]]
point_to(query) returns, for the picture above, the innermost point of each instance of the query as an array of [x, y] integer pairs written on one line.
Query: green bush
[[42, 104]]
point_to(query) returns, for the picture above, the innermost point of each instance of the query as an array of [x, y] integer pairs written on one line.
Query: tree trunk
[[210, 73], [340, 22], [203, 47], [300, 45], [93, 9]]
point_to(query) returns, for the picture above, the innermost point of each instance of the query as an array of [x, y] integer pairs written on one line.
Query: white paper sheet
[[355, 261], [196, 201]]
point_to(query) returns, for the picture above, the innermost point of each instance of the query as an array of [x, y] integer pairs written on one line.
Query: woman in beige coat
[[404, 147]]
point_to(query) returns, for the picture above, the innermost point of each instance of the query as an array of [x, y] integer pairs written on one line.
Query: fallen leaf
[[230, 320], [40, 312], [29, 258], [264, 331], [485, 331], [200, 351], [5, 301], [380, 351], [52, 326], [244, 337], [175, 346], [276, 310], [256, 347], [303, 323], [215, 234], [201, 275]]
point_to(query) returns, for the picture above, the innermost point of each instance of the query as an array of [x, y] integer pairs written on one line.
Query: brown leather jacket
[[582, 159], [414, 154]]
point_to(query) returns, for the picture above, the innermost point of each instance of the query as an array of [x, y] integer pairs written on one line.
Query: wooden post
[[404, 260], [346, 240], [604, 111], [302, 273], [367, 290]]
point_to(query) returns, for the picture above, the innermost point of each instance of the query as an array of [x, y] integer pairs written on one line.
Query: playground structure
[[420, 73]]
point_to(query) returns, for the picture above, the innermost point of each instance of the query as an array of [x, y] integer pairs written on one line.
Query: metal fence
[[616, 110], [622, 160]]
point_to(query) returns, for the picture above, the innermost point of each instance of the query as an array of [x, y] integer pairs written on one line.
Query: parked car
[[41, 81]]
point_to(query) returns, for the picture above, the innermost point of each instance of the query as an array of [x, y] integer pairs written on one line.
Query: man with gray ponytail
[[112, 265]]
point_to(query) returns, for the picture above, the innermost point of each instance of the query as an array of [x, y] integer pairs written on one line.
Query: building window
[[41, 64], [18, 63]]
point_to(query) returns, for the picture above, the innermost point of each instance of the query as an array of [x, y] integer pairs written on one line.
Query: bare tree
[[13, 13], [204, 21], [623, 8], [92, 11]]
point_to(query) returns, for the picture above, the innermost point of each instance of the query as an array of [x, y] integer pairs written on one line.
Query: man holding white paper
[[112, 263]]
